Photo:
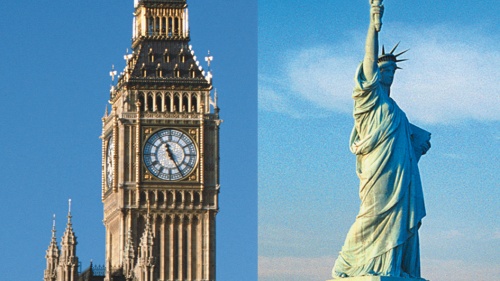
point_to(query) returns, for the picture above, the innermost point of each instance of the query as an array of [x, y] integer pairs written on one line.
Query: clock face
[[170, 154], [109, 163]]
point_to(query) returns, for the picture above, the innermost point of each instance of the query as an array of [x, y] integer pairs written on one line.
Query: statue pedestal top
[[377, 278]]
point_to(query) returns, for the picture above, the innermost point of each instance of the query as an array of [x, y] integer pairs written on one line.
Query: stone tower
[[160, 147]]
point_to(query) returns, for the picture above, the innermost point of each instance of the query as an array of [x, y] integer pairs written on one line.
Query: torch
[[376, 17]]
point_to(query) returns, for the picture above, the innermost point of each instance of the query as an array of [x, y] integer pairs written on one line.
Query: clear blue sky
[[56, 56], [308, 199]]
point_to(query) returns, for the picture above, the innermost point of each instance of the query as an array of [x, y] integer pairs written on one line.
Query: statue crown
[[391, 56]]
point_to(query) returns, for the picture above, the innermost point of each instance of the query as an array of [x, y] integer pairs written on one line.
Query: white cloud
[[450, 75], [270, 100]]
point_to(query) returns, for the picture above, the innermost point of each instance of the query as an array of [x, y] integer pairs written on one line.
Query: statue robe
[[384, 238]]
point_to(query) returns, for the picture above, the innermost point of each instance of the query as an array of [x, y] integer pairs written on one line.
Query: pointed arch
[[143, 198], [179, 200], [194, 102], [161, 198], [163, 25], [140, 99], [177, 102], [150, 26], [170, 198], [158, 104], [168, 102], [157, 26], [185, 102], [170, 27], [151, 198], [188, 198], [196, 199], [149, 102], [176, 26]]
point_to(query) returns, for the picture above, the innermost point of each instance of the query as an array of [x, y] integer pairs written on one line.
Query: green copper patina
[[383, 241]]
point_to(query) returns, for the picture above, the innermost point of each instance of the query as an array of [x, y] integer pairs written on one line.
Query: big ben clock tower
[[160, 147]]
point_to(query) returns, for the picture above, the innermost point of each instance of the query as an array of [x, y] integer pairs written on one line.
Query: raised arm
[[371, 46]]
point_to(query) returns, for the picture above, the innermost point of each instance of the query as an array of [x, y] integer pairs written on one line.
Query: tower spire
[[128, 259], [69, 211], [52, 256], [146, 260], [68, 262], [53, 227]]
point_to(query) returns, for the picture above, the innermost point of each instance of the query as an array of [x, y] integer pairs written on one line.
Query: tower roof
[[164, 63], [162, 56]]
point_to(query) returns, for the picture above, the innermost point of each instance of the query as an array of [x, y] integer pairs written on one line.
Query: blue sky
[[56, 56], [308, 52]]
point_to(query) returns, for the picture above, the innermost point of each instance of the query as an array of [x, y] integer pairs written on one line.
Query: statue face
[[387, 71]]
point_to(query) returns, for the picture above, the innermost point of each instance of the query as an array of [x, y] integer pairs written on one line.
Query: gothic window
[[194, 103], [170, 198], [176, 102], [150, 26], [167, 104], [163, 25], [161, 198], [152, 198], [196, 199], [142, 198], [169, 26], [178, 198], [140, 98], [158, 102], [176, 27], [188, 199], [157, 26], [150, 102], [185, 103]]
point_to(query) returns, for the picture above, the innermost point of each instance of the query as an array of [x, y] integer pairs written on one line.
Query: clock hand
[[171, 156]]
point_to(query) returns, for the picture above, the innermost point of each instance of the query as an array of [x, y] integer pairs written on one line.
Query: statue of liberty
[[383, 241]]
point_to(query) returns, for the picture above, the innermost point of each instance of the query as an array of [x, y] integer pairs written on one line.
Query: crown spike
[[395, 47], [383, 50], [401, 60], [402, 53]]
